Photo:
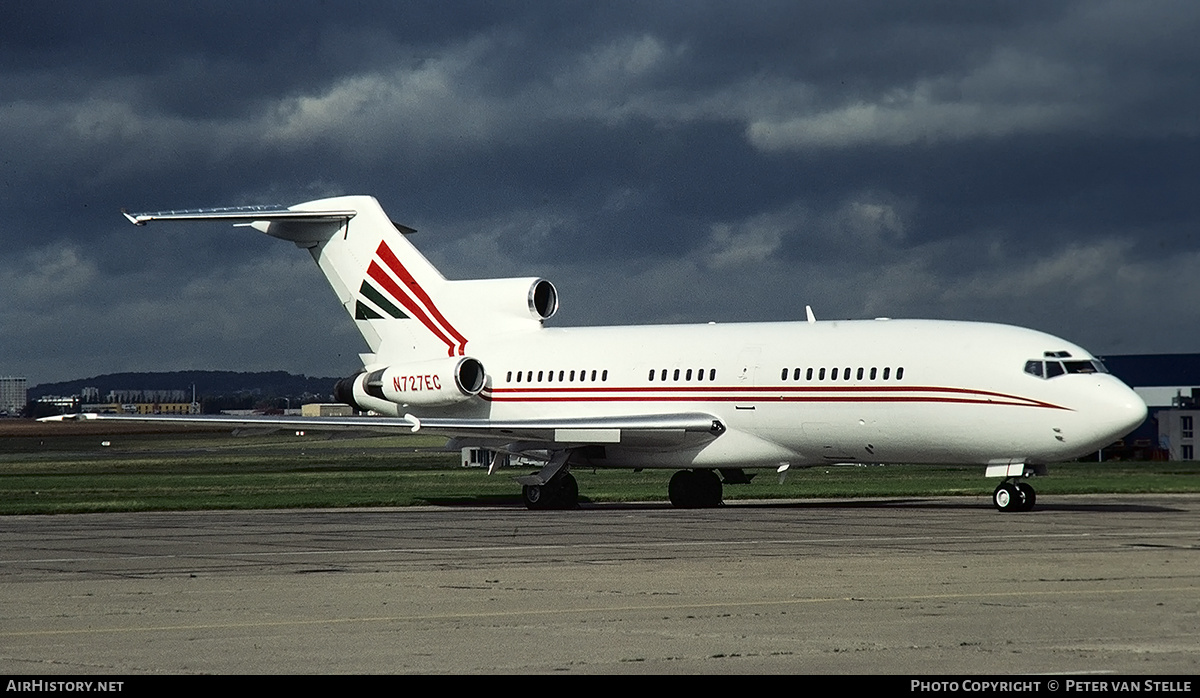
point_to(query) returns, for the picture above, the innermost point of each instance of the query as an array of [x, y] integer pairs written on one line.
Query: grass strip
[[213, 470]]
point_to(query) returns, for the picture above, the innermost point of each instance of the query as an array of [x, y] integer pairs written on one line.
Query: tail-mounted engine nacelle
[[437, 383], [496, 304]]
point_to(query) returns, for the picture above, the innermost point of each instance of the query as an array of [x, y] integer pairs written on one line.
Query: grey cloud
[[659, 162]]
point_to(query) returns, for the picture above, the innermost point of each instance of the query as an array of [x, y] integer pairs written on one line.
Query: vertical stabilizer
[[404, 308], [388, 287]]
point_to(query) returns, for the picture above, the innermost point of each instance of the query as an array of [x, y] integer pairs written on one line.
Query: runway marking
[[525, 613], [615, 545]]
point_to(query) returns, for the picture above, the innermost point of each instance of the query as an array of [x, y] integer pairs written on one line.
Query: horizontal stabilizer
[[241, 214]]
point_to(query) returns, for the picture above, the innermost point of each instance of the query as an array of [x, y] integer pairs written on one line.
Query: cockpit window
[[1052, 369]]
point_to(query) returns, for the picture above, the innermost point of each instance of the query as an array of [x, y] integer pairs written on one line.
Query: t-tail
[[418, 325]]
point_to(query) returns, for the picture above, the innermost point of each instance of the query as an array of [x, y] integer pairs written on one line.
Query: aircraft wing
[[515, 435]]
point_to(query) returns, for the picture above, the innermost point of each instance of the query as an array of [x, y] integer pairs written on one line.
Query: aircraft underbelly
[[913, 434]]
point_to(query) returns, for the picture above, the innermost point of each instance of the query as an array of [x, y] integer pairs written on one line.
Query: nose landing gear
[[1014, 496]]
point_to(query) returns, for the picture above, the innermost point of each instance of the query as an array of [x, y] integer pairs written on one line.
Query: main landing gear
[[561, 492], [695, 489], [1014, 496]]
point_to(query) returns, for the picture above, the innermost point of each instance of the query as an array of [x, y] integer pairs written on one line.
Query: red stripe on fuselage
[[389, 258], [764, 394]]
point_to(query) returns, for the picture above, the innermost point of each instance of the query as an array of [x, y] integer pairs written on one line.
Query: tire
[[682, 489], [1006, 497], [1028, 495], [709, 489], [568, 492], [535, 497]]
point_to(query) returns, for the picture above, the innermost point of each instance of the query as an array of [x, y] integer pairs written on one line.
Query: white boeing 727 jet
[[471, 360]]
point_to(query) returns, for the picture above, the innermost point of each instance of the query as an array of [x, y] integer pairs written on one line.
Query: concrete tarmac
[[1083, 584]]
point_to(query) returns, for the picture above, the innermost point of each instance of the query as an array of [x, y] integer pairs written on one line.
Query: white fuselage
[[798, 393]]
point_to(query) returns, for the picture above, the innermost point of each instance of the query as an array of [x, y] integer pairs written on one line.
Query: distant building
[[142, 408], [1170, 386], [61, 404], [1177, 432], [13, 395], [336, 409]]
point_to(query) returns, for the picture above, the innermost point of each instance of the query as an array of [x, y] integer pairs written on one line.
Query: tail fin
[[385, 284], [403, 307]]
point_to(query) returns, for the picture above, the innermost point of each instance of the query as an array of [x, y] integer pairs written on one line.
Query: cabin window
[[560, 376], [886, 372], [783, 376], [900, 373], [651, 375], [712, 374], [604, 376], [508, 379], [873, 371], [808, 374], [700, 375], [821, 375], [689, 375], [675, 376], [860, 373]]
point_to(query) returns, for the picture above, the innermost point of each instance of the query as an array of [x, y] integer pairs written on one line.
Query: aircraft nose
[[1122, 410]]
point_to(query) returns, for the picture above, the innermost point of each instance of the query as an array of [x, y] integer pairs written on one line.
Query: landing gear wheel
[[1028, 496], [695, 489], [568, 492], [562, 492], [535, 497], [709, 488], [679, 490], [1013, 497]]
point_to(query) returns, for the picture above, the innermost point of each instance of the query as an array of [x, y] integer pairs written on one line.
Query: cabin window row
[[682, 374], [563, 376], [837, 373]]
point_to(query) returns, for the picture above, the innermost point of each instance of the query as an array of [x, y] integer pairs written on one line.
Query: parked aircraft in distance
[[472, 360]]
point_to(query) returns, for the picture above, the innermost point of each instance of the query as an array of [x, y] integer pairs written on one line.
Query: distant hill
[[262, 384]]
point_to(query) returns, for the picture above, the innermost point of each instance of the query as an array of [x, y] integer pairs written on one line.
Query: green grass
[[72, 472]]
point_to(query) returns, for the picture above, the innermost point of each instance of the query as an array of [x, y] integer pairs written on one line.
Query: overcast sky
[[1032, 163]]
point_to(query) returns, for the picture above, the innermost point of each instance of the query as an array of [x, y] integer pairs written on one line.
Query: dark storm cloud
[[1031, 163]]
